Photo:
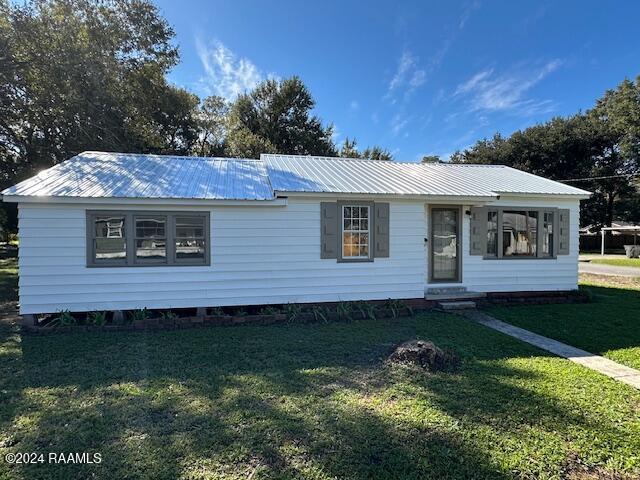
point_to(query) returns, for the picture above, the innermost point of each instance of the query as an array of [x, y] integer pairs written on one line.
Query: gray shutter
[[381, 229], [564, 231], [478, 231], [329, 230]]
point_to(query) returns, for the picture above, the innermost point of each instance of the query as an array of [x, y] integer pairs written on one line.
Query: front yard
[[609, 325], [311, 401]]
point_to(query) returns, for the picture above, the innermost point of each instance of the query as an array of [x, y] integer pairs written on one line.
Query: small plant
[[217, 312], [269, 310], [396, 306], [320, 313], [293, 311], [344, 310], [168, 316], [138, 315], [366, 309], [97, 318], [241, 312], [64, 319]]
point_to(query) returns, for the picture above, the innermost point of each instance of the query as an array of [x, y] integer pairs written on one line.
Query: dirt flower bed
[[144, 319]]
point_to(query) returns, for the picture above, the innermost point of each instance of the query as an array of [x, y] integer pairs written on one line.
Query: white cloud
[[226, 74], [489, 92], [398, 123], [418, 78], [408, 75], [354, 105]]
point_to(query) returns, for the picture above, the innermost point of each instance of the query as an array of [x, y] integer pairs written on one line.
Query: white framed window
[[356, 232]]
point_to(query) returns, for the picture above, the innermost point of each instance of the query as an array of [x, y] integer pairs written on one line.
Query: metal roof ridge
[[165, 156], [370, 160]]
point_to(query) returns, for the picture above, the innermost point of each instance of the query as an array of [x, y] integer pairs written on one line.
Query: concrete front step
[[445, 290], [461, 305], [454, 296]]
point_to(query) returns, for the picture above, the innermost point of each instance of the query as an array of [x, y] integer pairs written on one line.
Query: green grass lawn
[[609, 325], [8, 279], [618, 262], [308, 401]]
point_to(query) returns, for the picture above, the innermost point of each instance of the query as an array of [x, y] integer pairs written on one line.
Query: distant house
[[115, 231]]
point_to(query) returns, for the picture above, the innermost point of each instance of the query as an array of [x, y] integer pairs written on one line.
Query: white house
[[113, 231]]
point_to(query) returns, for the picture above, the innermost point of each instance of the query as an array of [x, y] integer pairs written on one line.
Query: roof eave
[[391, 196], [271, 202], [560, 196]]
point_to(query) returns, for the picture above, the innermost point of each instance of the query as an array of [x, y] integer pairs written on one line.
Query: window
[[355, 232], [190, 238], [519, 233], [109, 240], [492, 234], [547, 234], [147, 238], [151, 238], [512, 232]]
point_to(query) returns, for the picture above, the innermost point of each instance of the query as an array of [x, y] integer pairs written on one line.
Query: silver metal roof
[[123, 175], [291, 173]]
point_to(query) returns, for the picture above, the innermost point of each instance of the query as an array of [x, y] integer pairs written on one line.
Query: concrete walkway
[[607, 367], [600, 269]]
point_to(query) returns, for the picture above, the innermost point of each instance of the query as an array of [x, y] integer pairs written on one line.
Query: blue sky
[[414, 77]]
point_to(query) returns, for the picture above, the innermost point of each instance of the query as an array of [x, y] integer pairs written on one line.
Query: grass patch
[[8, 279], [618, 262], [609, 325], [308, 401]]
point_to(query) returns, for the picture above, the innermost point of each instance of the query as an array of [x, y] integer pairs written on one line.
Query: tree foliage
[[431, 159], [349, 149], [602, 142], [87, 75], [276, 118]]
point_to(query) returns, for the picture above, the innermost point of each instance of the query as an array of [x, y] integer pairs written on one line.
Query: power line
[[625, 175]]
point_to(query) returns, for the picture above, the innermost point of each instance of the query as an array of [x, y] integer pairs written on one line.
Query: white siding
[[260, 255], [521, 275]]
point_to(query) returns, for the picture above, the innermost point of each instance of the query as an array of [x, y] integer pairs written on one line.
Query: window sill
[[355, 260], [519, 258]]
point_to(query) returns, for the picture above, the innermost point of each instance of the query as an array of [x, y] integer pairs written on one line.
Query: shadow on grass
[[281, 401]]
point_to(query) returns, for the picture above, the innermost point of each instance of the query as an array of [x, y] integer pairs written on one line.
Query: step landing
[[460, 305], [451, 293]]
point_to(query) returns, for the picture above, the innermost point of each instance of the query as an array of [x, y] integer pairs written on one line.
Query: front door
[[444, 264]]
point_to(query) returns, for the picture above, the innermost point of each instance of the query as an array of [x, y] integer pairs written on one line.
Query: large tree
[[276, 117], [600, 146], [212, 130], [87, 74]]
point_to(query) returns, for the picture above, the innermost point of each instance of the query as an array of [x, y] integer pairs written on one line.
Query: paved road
[[599, 269]]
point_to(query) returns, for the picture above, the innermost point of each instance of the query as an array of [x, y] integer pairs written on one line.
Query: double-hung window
[[190, 238], [147, 238], [150, 239], [356, 232], [108, 239]]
